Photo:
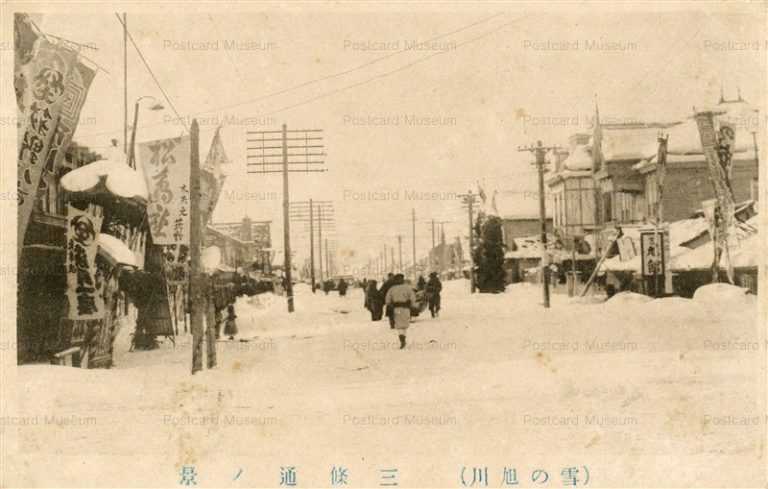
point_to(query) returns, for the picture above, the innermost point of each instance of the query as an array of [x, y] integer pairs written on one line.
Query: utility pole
[[392, 257], [413, 230], [125, 83], [433, 234], [386, 265], [539, 151], [311, 246], [197, 281], [286, 224], [304, 211], [268, 160], [400, 250], [469, 201], [327, 259], [320, 243]]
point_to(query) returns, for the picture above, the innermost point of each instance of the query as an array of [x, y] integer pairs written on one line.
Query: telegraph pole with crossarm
[[312, 212], [540, 151], [285, 151]]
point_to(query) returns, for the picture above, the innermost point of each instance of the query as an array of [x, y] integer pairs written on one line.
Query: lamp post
[[132, 148]]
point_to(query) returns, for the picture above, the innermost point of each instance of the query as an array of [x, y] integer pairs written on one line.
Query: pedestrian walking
[[374, 301], [433, 289], [400, 297], [230, 326], [342, 287]]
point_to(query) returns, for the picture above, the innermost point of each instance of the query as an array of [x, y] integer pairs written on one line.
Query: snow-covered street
[[637, 392]]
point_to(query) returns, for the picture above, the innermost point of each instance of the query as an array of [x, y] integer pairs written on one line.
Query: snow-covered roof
[[628, 142], [114, 175], [745, 255], [579, 159], [684, 143], [115, 250], [683, 258], [529, 246]]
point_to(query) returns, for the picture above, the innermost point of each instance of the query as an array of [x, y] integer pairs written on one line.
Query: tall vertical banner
[[83, 287], [75, 92], [717, 146], [166, 170], [43, 96], [24, 39], [212, 178]]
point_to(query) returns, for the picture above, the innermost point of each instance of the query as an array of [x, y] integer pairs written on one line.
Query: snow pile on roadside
[[624, 298], [724, 296]]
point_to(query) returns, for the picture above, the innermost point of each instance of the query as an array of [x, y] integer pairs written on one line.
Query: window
[[607, 207]]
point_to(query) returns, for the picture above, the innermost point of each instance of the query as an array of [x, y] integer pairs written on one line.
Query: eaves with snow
[[107, 176], [115, 250]]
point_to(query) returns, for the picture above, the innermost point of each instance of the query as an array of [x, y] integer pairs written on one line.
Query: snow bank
[[623, 298], [723, 295]]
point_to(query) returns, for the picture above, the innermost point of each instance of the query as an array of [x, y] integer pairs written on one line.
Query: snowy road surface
[[645, 394]]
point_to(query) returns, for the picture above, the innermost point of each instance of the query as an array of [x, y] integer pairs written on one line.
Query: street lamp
[[155, 107]]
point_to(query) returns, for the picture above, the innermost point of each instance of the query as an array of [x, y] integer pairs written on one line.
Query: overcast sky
[[495, 77]]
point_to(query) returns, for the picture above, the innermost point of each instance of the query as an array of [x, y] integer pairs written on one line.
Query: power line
[[332, 92], [152, 73]]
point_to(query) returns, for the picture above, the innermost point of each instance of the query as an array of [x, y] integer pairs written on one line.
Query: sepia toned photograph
[[383, 244]]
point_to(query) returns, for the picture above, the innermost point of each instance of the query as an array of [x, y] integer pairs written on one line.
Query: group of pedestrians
[[398, 299], [330, 284]]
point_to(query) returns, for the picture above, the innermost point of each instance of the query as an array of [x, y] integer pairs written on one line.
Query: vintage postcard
[[382, 244]]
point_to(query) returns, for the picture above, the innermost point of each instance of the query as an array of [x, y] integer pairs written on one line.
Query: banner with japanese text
[[717, 145], [83, 281], [654, 252], [75, 93], [166, 165], [41, 101]]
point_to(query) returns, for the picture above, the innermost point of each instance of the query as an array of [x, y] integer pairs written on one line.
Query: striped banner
[[75, 93], [42, 101]]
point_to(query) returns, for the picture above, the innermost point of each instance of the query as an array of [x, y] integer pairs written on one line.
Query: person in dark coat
[[433, 289], [327, 286], [342, 287], [373, 301], [230, 326], [388, 283]]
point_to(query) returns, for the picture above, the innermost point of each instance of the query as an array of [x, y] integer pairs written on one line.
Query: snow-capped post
[[196, 286]]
